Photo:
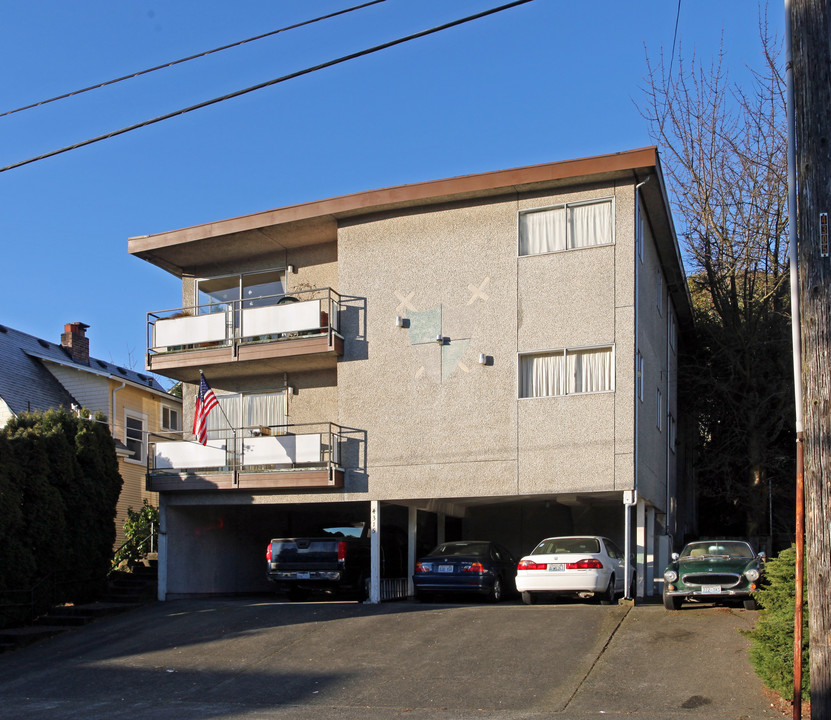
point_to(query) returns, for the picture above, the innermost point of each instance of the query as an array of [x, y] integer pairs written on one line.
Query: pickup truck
[[336, 560]]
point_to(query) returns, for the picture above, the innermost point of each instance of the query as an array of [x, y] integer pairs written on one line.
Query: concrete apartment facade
[[488, 357]]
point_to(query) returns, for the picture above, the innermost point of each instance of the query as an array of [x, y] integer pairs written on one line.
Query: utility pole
[[811, 48]]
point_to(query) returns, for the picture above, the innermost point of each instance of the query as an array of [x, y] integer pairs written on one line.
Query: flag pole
[[228, 422]]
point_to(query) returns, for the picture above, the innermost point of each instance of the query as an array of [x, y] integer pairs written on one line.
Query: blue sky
[[545, 81]]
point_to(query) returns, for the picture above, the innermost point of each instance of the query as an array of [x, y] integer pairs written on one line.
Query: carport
[[215, 543]]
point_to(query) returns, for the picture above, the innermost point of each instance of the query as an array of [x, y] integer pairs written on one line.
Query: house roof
[[27, 385]]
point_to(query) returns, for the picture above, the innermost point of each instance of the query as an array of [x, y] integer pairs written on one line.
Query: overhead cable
[[268, 83], [190, 57]]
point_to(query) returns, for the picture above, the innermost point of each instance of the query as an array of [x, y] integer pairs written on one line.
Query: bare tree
[[724, 152]]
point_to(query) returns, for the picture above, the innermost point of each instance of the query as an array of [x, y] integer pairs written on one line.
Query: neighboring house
[[492, 356], [36, 375]]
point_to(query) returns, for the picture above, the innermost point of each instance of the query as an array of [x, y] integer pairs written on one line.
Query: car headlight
[[670, 576], [752, 574]]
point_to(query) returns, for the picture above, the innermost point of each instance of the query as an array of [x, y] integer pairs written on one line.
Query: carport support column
[[412, 527], [161, 548], [375, 552], [649, 590], [640, 545]]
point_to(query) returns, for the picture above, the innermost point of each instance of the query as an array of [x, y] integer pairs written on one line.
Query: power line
[[268, 83], [190, 57], [674, 38]]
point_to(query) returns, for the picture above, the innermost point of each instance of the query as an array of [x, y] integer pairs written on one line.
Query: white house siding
[[6, 413], [92, 391]]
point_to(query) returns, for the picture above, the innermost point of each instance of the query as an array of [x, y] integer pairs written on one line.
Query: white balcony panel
[[291, 317], [182, 455], [190, 330], [282, 450]]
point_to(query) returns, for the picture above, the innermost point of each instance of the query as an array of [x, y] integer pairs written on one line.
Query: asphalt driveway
[[262, 657]]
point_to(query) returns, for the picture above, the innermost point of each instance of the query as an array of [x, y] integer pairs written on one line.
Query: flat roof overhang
[[203, 250]]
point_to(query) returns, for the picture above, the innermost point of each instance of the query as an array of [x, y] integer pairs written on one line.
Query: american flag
[[205, 402]]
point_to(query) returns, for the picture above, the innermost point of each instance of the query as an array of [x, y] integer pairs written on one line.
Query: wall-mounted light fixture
[[399, 321], [439, 339], [290, 269], [483, 359]]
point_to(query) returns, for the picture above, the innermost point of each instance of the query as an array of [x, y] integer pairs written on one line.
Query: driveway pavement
[[258, 657]]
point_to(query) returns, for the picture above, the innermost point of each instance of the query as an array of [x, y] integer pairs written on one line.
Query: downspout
[[628, 505]]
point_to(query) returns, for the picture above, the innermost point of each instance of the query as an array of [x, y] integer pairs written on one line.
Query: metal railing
[[267, 318], [271, 448]]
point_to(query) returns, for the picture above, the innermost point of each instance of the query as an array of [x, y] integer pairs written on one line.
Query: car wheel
[[528, 598], [609, 597], [672, 602], [495, 595], [750, 604]]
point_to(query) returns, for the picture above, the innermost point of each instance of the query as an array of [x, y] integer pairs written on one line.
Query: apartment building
[[493, 356]]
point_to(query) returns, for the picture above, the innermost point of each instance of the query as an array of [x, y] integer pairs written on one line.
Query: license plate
[[556, 567], [302, 576], [445, 568], [711, 589]]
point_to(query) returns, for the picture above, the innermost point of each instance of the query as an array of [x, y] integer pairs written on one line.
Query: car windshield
[[477, 549], [356, 530], [551, 546], [712, 548]]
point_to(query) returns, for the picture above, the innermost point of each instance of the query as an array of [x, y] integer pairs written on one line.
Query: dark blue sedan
[[478, 567]]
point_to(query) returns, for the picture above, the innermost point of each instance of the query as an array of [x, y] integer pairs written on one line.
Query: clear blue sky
[[546, 81]]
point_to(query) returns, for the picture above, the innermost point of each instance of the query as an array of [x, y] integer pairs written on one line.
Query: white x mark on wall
[[405, 302], [478, 292]]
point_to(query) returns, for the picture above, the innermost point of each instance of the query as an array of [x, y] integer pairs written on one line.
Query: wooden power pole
[[811, 48]]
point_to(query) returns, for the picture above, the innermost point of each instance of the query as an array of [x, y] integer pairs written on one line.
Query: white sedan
[[573, 566]]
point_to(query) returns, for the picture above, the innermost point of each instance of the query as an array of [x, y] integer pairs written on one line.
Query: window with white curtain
[[248, 412], [566, 227], [566, 372]]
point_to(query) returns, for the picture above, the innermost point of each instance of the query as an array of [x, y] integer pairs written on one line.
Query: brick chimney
[[74, 339]]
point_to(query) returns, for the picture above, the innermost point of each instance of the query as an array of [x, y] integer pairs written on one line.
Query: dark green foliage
[[59, 485], [772, 652], [142, 532]]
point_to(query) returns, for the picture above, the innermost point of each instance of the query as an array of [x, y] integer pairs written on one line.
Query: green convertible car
[[713, 571]]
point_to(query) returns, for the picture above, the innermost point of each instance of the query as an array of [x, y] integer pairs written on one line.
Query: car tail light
[[421, 567], [585, 564], [531, 565], [268, 553], [341, 551], [474, 567]]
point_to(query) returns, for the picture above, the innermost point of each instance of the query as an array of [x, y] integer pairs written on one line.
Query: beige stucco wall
[[438, 433]]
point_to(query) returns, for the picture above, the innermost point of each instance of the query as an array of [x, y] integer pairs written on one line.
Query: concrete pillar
[[640, 545], [649, 590], [161, 592], [375, 552], [412, 525]]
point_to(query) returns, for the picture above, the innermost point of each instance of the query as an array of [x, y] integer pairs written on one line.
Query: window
[[673, 330], [566, 372], [659, 406], [171, 418], [135, 436], [659, 291], [248, 412], [639, 378], [253, 289], [644, 234], [566, 227], [673, 436]]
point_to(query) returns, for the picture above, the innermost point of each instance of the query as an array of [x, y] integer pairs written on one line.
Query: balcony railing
[[250, 458], [305, 322]]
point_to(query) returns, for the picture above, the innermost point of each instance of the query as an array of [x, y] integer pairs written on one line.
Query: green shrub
[[772, 650], [142, 532]]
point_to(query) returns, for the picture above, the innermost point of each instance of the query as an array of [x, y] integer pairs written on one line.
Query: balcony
[[277, 333], [282, 457]]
